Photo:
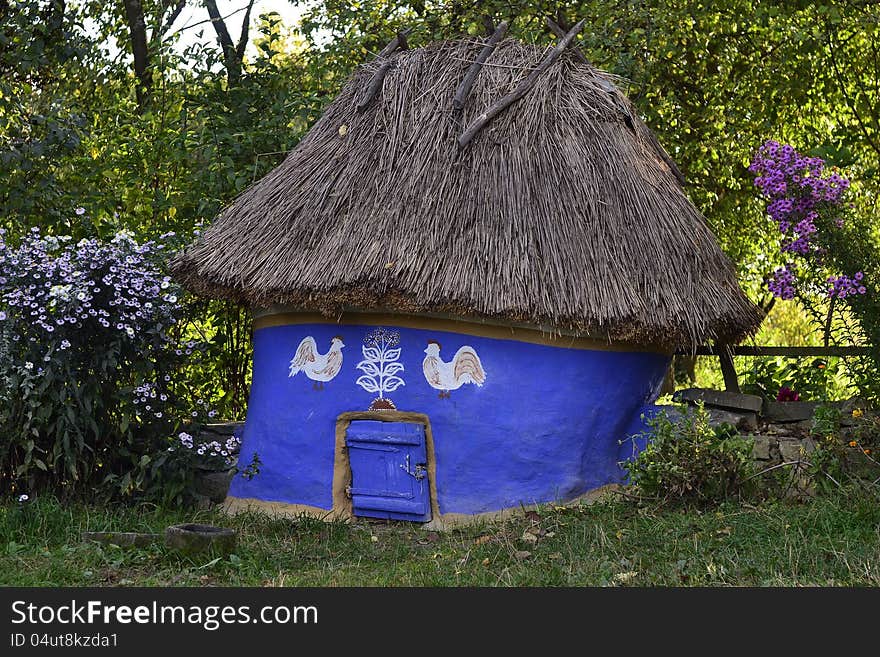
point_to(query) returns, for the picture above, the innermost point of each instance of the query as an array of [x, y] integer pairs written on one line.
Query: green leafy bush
[[844, 455], [802, 378], [687, 460]]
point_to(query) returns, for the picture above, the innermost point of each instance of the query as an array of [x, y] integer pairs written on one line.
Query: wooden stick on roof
[[397, 43], [472, 72], [559, 32], [521, 90]]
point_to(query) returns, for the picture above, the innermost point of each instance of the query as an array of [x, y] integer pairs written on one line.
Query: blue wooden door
[[389, 470]]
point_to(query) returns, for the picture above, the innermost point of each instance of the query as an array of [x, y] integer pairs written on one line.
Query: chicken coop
[[467, 281]]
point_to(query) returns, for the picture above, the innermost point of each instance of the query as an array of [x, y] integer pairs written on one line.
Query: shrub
[[689, 461], [831, 259], [91, 352], [196, 451], [799, 379], [844, 455]]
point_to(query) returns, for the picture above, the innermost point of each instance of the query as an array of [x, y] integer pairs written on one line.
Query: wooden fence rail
[[726, 353]]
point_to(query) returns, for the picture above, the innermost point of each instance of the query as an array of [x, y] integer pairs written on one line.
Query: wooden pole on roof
[[521, 90], [397, 43], [559, 32], [474, 69]]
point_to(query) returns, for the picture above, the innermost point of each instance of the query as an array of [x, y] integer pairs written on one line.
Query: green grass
[[827, 542]]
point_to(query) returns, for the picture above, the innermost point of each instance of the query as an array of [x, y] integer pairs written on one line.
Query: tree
[[143, 43], [233, 53]]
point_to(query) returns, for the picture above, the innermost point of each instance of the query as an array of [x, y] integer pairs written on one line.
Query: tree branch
[[243, 38], [841, 82], [230, 54], [209, 20], [175, 12]]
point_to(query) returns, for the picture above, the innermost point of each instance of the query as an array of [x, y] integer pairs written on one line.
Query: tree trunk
[[233, 54], [137, 28]]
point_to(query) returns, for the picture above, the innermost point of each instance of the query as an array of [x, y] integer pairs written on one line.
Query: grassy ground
[[826, 542]]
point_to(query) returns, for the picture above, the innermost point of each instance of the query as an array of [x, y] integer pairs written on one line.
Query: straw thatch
[[561, 212]]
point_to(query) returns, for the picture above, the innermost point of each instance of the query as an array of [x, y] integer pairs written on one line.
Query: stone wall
[[783, 441]]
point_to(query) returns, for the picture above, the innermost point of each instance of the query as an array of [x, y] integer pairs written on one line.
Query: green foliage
[[40, 55], [813, 379], [686, 460], [844, 455], [826, 421]]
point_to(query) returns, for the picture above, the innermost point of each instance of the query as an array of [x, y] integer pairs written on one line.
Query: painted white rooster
[[319, 368], [465, 367]]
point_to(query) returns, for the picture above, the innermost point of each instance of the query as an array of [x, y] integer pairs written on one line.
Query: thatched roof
[[564, 211]]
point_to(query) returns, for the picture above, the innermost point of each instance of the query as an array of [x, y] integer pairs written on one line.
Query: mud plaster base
[[234, 505]]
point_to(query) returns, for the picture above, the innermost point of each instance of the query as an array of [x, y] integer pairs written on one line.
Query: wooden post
[[397, 43], [375, 86], [728, 370]]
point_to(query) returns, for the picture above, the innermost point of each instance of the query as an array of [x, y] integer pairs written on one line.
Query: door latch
[[420, 472]]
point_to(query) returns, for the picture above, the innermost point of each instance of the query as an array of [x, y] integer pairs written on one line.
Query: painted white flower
[[28, 365]]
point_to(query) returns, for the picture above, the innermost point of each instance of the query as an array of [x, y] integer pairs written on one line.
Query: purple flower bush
[[91, 356], [832, 261], [800, 192]]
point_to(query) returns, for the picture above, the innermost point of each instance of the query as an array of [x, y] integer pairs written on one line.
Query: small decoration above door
[[381, 366]]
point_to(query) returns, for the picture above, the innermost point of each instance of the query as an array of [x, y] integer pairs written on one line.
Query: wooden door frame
[[342, 503]]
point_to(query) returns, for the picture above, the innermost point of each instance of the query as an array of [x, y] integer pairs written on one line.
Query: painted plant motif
[[465, 367], [320, 368], [380, 366]]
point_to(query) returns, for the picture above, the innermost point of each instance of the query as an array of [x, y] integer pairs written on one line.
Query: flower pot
[[213, 484]]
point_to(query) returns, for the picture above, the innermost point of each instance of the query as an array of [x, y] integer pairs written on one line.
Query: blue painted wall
[[544, 426]]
